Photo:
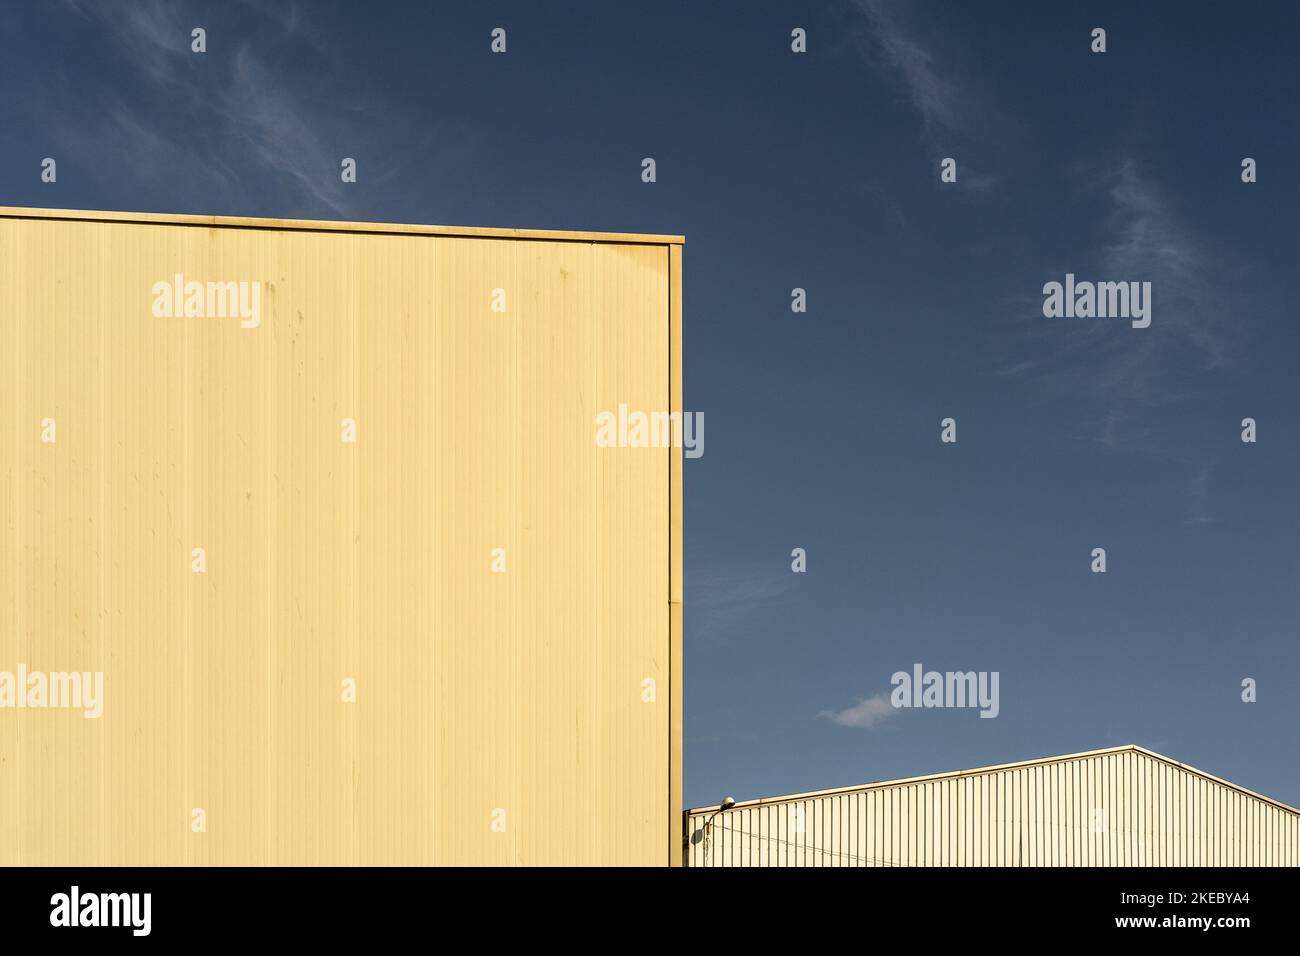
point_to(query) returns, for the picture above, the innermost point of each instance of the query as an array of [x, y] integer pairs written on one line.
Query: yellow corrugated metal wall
[[1125, 807], [476, 691]]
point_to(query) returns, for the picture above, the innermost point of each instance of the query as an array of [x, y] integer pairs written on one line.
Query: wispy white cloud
[[1199, 483], [722, 600], [1152, 242], [238, 104], [277, 129], [867, 713], [258, 130], [936, 97], [1144, 239], [1126, 377], [946, 102]]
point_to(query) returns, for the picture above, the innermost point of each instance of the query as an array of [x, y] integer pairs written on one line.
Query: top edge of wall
[[323, 225]]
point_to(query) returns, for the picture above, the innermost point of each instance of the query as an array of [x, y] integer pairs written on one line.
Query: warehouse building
[[1124, 806], [323, 509]]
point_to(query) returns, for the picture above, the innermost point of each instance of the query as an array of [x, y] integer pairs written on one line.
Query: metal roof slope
[[902, 781], [325, 225]]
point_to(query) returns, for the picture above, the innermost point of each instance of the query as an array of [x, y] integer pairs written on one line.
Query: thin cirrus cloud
[[258, 132], [1117, 367], [725, 600], [867, 713], [949, 109], [937, 99], [1125, 378], [241, 112], [1152, 242]]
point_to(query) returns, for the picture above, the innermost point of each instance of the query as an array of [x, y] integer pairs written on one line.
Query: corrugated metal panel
[[1121, 807], [326, 560]]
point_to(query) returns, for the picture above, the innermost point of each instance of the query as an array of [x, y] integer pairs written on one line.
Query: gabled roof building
[[1123, 806]]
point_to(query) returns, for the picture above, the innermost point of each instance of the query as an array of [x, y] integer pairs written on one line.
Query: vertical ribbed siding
[[1148, 812], [476, 430]]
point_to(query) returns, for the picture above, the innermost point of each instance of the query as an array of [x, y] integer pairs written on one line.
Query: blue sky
[[821, 171]]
